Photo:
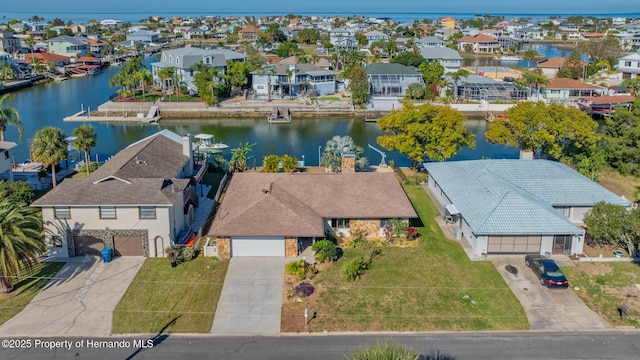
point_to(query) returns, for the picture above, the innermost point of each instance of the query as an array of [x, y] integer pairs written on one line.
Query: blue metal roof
[[517, 196]]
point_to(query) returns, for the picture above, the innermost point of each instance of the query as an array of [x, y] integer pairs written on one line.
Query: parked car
[[547, 271]]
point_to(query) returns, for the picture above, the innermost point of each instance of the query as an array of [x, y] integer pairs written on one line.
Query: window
[[107, 212], [340, 223], [62, 212], [147, 212]]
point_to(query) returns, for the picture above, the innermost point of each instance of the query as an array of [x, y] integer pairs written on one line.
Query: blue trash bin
[[106, 255]]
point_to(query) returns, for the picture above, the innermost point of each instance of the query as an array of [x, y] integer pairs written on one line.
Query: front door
[[561, 244]]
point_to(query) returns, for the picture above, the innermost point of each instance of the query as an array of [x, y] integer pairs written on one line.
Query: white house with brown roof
[[481, 43], [138, 203], [569, 90], [268, 214]]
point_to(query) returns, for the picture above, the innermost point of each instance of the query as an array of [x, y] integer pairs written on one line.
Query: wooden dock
[[80, 117]]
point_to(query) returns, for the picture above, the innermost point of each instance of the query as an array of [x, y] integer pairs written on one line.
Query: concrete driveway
[[251, 298], [547, 309], [79, 301]]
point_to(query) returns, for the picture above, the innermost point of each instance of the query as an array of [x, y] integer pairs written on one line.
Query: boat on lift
[[207, 144]]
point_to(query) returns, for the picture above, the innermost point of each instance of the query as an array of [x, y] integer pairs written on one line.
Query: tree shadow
[[157, 339], [436, 355]]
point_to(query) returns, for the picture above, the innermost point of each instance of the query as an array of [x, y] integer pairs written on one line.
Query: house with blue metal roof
[[517, 206]]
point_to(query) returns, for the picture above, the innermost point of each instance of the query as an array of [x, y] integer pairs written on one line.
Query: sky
[[338, 6]]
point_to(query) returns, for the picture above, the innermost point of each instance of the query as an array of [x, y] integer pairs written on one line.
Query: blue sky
[[292, 6]]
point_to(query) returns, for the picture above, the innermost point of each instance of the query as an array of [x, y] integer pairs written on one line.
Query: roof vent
[[265, 191]]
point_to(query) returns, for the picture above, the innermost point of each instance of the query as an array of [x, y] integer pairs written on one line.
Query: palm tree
[[535, 77], [529, 55], [31, 43], [338, 146], [290, 74], [456, 76], [85, 141], [21, 241], [49, 147], [240, 156], [268, 70], [9, 116], [143, 76]]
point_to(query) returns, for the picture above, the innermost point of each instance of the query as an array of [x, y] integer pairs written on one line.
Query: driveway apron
[[251, 298], [546, 309], [79, 301]]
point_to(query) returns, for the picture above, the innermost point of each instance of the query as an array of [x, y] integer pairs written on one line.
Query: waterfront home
[[480, 43], [450, 59], [569, 90], [551, 66], [143, 36], [337, 34], [277, 214], [295, 79], [96, 45], [68, 46], [138, 203], [629, 65], [478, 88], [391, 80], [8, 42], [373, 36], [183, 59], [430, 42], [248, 33], [444, 33], [6, 165], [516, 206]]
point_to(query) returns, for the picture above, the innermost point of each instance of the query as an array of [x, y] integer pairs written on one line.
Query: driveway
[[79, 301], [251, 298], [546, 309]]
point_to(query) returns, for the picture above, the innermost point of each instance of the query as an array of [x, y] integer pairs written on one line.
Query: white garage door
[[267, 246]]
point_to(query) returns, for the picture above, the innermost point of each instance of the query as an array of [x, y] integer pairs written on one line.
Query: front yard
[[604, 287], [26, 289], [432, 286], [172, 300]]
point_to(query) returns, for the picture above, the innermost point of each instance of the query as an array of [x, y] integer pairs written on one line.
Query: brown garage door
[[128, 245], [518, 244], [88, 245]]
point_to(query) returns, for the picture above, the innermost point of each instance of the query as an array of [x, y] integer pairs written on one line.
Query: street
[[440, 346]]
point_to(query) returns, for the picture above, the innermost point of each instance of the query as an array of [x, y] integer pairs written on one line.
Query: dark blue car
[[547, 271]]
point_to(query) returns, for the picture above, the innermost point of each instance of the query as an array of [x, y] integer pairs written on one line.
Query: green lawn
[[26, 289], [432, 286], [182, 98], [605, 286], [171, 300]]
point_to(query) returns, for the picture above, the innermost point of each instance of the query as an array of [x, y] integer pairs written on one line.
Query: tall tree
[[427, 132], [535, 77], [85, 141], [614, 224], [30, 41], [338, 146], [21, 241], [359, 85], [622, 136], [50, 148], [432, 72], [268, 70], [552, 130], [9, 116], [408, 58], [529, 55], [456, 76]]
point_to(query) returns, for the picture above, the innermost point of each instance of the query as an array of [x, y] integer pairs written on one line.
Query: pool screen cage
[[391, 85], [492, 91]]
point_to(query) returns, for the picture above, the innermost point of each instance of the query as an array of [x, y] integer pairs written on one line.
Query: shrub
[[188, 253], [369, 252], [411, 232], [297, 268], [304, 290], [388, 232], [354, 269], [93, 166], [358, 238], [385, 351], [324, 250]]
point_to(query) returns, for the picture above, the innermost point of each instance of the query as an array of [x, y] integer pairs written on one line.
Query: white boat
[[510, 58], [207, 143]]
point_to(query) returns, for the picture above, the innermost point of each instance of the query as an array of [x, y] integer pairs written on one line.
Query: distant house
[[138, 203], [96, 46], [391, 80], [183, 59], [195, 33], [248, 33], [346, 43], [265, 214], [110, 23], [337, 34], [373, 36], [530, 33], [143, 36], [444, 33], [480, 43], [551, 66], [568, 90], [478, 88], [298, 77], [448, 58], [6, 166], [46, 58], [68, 46], [430, 41], [629, 65], [516, 206]]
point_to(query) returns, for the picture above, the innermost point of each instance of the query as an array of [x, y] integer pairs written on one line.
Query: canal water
[[47, 105]]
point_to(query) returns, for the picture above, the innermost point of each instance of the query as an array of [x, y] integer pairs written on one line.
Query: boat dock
[[81, 117], [279, 117]]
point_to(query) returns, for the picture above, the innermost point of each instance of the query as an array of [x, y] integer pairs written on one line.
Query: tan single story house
[[269, 214]]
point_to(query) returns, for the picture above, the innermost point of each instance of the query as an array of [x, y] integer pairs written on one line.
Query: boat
[[207, 145], [510, 58]]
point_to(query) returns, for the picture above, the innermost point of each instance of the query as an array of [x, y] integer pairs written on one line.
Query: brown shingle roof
[[263, 204], [556, 62], [600, 100], [249, 29], [480, 38], [562, 83]]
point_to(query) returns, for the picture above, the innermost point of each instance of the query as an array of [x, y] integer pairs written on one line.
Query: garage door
[[88, 245], [518, 244], [267, 246], [128, 245]]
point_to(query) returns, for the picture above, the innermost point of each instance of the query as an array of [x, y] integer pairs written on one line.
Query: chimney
[[187, 150], [348, 163], [526, 155]]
